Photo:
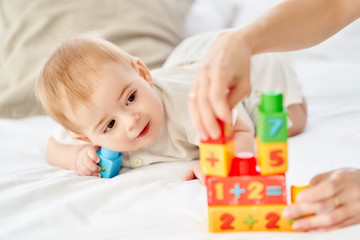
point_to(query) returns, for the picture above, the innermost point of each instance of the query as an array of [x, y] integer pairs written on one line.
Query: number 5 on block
[[272, 157]]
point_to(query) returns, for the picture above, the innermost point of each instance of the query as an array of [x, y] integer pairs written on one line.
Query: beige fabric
[[270, 70], [148, 29]]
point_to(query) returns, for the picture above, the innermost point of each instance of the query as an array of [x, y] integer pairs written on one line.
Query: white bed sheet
[[39, 201]]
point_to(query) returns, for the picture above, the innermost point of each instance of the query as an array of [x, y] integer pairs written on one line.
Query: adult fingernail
[[215, 134], [286, 214], [203, 137]]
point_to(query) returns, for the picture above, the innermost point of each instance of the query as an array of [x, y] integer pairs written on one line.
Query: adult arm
[[223, 79]]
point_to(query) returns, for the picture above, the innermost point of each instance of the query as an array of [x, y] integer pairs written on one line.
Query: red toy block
[[246, 190], [244, 164], [227, 134]]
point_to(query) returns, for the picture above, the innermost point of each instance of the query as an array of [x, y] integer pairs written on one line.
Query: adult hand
[[223, 80], [334, 195]]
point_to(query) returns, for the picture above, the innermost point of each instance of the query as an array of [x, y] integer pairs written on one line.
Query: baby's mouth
[[145, 130]]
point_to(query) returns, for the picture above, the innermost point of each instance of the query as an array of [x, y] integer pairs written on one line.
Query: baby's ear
[[81, 137], [141, 68]]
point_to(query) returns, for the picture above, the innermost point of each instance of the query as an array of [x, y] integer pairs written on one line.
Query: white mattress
[[39, 201]]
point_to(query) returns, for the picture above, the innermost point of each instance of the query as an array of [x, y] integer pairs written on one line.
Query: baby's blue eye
[[131, 98], [110, 125]]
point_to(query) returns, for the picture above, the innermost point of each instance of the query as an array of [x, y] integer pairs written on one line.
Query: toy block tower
[[272, 134], [240, 196]]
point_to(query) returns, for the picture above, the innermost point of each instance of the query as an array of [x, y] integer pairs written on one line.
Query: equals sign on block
[[273, 190]]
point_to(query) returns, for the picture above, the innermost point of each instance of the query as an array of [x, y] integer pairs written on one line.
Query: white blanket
[[39, 201]]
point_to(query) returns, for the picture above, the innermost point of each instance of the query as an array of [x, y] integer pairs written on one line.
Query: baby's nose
[[132, 121]]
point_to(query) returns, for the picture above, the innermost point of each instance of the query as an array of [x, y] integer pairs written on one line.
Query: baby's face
[[125, 112]]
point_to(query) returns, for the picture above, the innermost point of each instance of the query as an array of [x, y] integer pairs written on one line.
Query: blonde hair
[[63, 82]]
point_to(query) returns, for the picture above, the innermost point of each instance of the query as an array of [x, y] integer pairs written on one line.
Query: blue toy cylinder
[[110, 162], [109, 154]]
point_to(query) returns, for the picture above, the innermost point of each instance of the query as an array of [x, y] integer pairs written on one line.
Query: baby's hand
[[87, 160], [195, 172]]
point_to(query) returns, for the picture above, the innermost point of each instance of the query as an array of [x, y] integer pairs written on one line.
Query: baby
[[103, 96]]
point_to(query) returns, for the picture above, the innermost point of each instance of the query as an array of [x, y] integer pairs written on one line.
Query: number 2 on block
[[227, 220], [255, 189], [276, 124], [273, 219]]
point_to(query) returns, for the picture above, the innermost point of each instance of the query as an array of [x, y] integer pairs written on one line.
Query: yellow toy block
[[272, 157], [296, 189], [248, 218], [215, 159]]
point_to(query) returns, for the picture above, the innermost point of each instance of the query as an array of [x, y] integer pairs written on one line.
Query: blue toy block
[[110, 162]]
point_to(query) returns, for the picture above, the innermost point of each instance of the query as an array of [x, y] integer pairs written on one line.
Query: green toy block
[[272, 118]]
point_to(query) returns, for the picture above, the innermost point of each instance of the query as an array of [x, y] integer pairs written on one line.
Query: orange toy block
[[272, 157], [215, 159], [246, 190], [248, 218], [296, 189], [226, 135]]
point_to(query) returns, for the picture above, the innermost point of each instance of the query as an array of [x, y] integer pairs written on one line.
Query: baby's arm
[[298, 116], [244, 137], [82, 158]]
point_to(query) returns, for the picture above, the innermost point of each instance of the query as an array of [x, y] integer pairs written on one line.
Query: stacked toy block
[[247, 193]]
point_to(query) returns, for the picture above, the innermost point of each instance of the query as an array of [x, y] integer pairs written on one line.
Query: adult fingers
[[327, 188], [320, 177], [329, 219], [221, 77], [299, 209], [303, 208], [347, 222], [348, 195], [208, 118], [239, 91], [194, 109]]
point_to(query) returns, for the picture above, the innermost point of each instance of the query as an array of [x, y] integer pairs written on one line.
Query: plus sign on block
[[216, 158]]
